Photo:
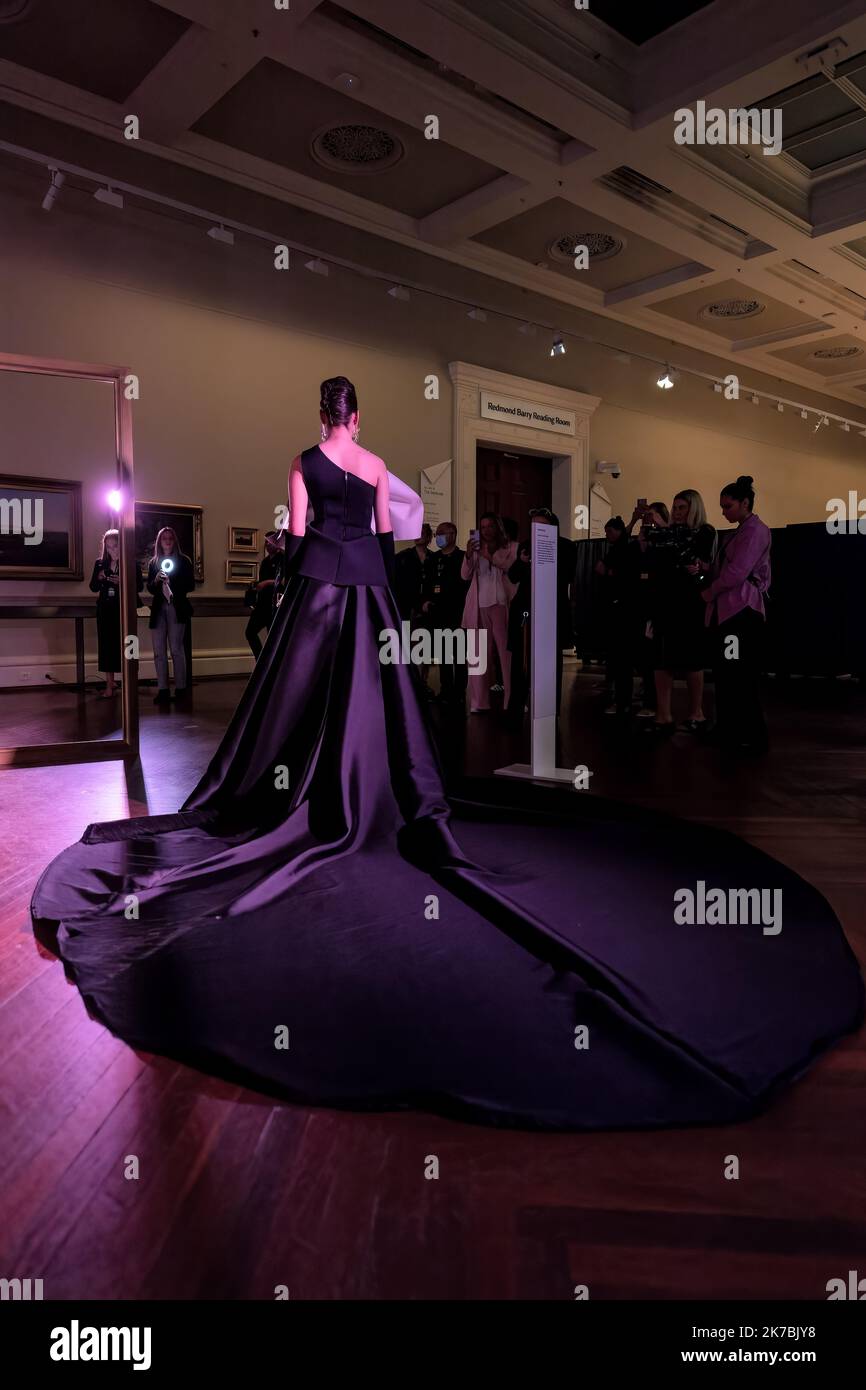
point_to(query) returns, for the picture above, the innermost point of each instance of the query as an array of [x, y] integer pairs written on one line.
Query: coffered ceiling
[[555, 128]]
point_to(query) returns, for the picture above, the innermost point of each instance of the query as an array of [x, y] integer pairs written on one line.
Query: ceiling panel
[[769, 316], [531, 235], [104, 46], [830, 357], [275, 113]]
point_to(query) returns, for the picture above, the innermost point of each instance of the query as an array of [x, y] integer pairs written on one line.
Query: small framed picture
[[243, 572], [243, 540]]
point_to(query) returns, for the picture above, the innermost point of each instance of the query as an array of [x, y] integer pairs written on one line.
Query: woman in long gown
[[320, 921]]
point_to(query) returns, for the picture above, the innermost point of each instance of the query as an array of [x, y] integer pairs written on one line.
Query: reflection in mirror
[[61, 586]]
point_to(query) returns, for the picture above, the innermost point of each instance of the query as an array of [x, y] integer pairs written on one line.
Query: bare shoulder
[[375, 466], [295, 464], [371, 460]]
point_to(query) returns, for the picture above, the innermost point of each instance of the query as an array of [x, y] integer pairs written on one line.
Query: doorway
[[512, 484]]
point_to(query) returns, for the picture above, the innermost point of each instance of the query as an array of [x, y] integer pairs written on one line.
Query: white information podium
[[543, 639]]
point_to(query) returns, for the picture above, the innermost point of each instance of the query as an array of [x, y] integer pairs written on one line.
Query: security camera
[[614, 469]]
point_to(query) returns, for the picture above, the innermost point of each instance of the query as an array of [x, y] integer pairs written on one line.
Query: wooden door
[[511, 484]]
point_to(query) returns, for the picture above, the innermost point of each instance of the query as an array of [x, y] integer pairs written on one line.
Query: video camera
[[675, 543]]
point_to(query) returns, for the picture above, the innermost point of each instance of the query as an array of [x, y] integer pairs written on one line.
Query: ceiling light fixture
[[58, 179], [222, 235], [399, 292], [108, 196], [667, 380], [557, 348], [316, 266], [478, 315]]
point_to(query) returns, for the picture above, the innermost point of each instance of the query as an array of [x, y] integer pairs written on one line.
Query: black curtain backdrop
[[816, 614]]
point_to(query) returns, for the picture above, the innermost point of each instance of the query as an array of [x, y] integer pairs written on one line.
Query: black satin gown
[[510, 957]]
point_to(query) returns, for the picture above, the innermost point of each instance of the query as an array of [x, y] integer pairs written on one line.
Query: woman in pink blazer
[[485, 568]]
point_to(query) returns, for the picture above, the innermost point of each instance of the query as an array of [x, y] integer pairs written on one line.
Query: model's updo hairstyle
[[338, 401], [743, 490]]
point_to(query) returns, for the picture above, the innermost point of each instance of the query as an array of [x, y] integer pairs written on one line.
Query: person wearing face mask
[[443, 594]]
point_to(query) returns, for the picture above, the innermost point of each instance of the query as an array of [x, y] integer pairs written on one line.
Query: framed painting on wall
[[243, 540], [241, 572], [186, 521], [40, 528]]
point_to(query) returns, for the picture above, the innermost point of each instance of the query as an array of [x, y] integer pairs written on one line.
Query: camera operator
[[677, 608]]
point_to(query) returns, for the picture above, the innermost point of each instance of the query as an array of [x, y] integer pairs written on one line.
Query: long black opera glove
[[386, 545], [290, 553]]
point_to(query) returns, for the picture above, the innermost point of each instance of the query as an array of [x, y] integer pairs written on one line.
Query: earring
[[356, 434], [324, 434]]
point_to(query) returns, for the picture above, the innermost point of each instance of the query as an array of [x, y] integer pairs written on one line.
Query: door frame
[[570, 453]]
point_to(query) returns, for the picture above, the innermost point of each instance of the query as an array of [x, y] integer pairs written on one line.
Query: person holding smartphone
[[489, 556], [105, 583]]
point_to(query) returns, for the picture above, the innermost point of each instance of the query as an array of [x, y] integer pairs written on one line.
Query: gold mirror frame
[[96, 750]]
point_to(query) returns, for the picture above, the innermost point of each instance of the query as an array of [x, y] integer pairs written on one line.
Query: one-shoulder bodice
[[339, 546]]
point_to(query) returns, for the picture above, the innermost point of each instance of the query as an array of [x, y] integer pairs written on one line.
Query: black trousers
[[260, 619], [453, 675], [737, 670], [623, 632], [520, 681]]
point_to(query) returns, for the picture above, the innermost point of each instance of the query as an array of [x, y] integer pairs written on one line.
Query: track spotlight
[[528, 329], [316, 266], [58, 179], [477, 314], [756, 400], [667, 380], [846, 427], [558, 347], [804, 414], [399, 292], [108, 195], [780, 407], [221, 234], [717, 387]]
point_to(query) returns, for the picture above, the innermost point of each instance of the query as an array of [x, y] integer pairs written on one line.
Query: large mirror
[[69, 586]]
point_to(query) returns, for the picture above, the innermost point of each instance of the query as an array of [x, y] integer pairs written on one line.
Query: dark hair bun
[[745, 481], [337, 400]]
